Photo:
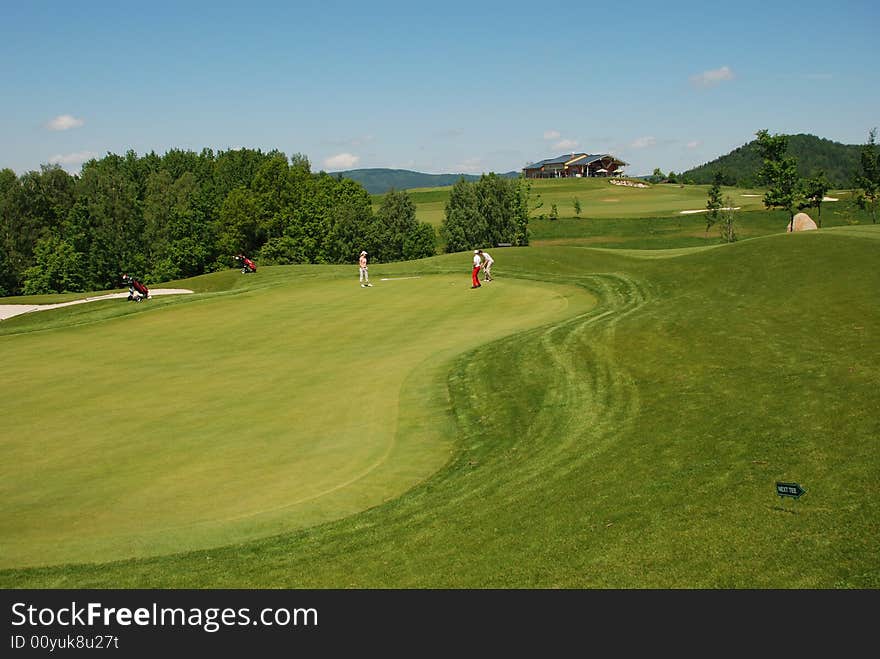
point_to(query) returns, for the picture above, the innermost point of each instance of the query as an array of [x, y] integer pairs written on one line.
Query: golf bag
[[136, 290], [246, 264]]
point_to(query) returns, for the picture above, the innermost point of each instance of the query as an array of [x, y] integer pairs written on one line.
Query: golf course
[[614, 410]]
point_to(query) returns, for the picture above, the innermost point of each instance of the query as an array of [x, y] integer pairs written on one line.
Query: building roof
[[574, 158]]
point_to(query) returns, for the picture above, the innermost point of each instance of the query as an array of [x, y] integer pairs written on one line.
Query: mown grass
[[639, 218], [144, 429], [632, 445]]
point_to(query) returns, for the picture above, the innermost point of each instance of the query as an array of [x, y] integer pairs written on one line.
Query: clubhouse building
[[576, 165]]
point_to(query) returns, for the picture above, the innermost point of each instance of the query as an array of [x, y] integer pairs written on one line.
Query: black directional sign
[[793, 490]]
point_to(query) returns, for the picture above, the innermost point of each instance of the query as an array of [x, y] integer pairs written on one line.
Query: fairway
[[595, 418], [233, 417], [598, 199]]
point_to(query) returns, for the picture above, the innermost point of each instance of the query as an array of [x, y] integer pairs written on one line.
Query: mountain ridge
[[380, 180]]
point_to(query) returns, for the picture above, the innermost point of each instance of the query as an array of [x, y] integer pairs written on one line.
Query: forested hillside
[[840, 162]]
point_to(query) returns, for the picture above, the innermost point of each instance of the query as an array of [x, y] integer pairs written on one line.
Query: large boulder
[[801, 222]]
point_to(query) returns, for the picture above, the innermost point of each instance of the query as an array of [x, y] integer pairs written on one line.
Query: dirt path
[[10, 310]]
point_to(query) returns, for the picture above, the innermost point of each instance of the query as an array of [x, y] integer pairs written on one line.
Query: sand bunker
[[631, 184], [823, 198], [706, 210], [10, 310]]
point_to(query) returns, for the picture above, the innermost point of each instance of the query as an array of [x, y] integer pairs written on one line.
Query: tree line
[[185, 213]]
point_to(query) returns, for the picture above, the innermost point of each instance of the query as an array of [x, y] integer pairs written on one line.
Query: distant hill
[[379, 181], [740, 167]]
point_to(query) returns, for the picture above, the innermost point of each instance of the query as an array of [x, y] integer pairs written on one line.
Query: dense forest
[[182, 214], [740, 167]]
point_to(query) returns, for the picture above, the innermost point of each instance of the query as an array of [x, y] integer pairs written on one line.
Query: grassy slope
[[617, 216], [634, 445]]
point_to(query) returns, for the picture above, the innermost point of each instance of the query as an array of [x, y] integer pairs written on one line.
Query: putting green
[[232, 417]]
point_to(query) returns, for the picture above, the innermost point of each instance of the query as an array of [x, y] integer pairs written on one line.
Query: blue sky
[[439, 87]]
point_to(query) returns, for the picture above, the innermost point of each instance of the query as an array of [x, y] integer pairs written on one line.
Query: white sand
[[10, 310], [823, 198], [706, 210]]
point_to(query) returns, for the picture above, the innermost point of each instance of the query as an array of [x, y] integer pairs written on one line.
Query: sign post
[[793, 490]]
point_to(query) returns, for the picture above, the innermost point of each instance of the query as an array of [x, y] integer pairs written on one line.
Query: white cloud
[[551, 134], [68, 159], [64, 122], [565, 144], [693, 145], [712, 77], [644, 142], [341, 161]]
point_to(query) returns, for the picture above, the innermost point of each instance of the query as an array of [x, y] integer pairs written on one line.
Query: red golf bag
[[136, 290], [247, 265]]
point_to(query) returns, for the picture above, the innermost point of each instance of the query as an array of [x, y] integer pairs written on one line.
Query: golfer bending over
[[488, 262]]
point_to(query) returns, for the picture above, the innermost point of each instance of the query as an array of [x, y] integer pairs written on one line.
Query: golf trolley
[[136, 290], [247, 265]]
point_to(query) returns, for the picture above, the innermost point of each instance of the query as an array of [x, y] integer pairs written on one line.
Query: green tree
[[236, 227], [274, 196], [554, 212], [577, 207], [488, 211], [714, 203], [353, 228], [116, 222], [868, 180], [463, 226], [814, 190], [14, 243], [57, 268], [520, 190], [420, 243], [397, 219], [158, 208], [779, 172], [282, 250]]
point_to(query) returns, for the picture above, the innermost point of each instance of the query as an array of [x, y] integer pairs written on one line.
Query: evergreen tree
[[463, 226], [397, 219]]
